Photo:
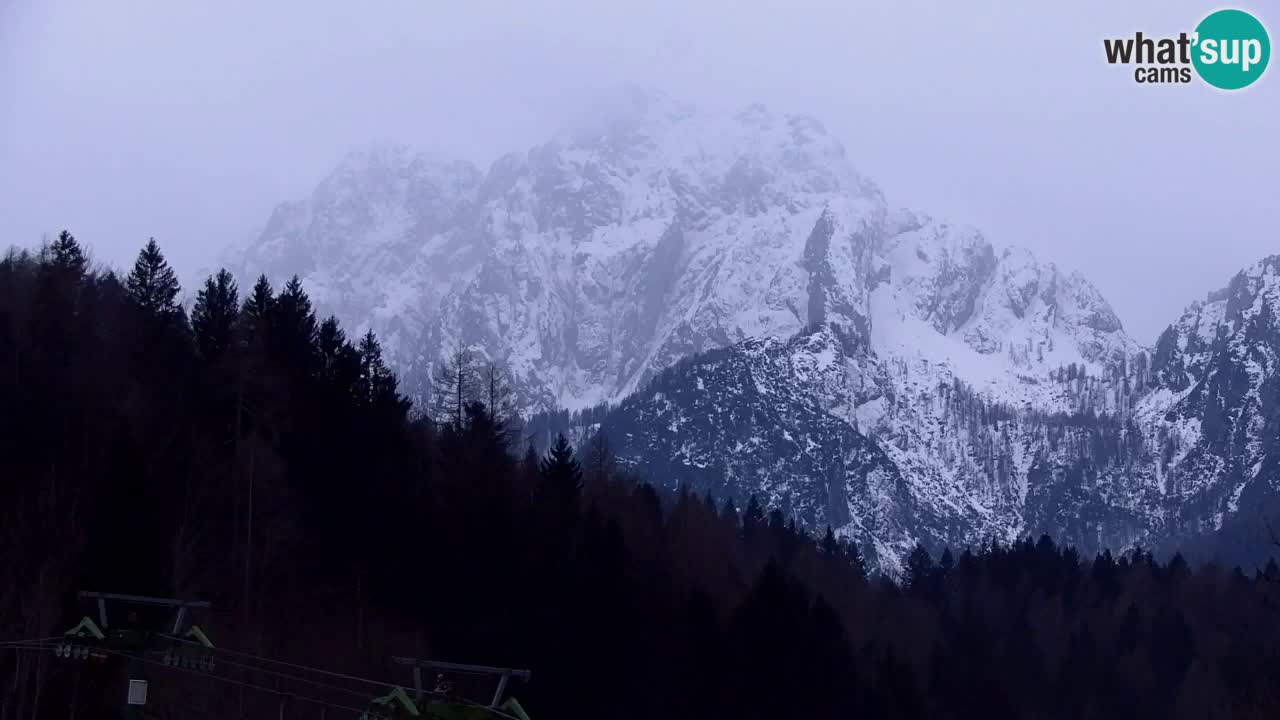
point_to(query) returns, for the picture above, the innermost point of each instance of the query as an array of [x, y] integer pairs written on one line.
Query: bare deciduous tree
[[453, 387]]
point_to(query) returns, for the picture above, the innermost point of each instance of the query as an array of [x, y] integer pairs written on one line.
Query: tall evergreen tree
[[152, 285], [530, 473], [854, 559], [830, 545], [66, 256], [292, 338], [729, 513], [561, 474], [340, 363], [601, 462], [946, 562], [378, 385], [752, 517], [919, 568], [60, 281], [257, 312], [215, 315]]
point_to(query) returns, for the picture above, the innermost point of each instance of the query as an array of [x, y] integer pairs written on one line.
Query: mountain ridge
[[651, 203], [1002, 392]]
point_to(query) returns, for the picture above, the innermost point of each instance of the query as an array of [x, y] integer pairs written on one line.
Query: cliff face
[[895, 376]]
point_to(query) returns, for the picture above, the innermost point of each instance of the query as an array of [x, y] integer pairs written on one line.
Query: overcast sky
[[189, 120]]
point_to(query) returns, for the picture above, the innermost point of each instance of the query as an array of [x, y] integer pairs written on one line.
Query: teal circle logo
[[1231, 49]]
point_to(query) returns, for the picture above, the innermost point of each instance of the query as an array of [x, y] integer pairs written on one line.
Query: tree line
[[251, 454]]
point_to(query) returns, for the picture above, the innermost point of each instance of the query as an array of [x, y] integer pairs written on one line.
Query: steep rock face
[[872, 447], [1216, 409], [589, 263], [368, 240], [1168, 455], [752, 419], [898, 377]]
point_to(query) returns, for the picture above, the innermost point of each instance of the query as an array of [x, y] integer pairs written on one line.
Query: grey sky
[[190, 120]]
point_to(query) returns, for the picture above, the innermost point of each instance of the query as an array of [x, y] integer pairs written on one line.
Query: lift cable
[[295, 678], [252, 686], [34, 641], [46, 644], [295, 666]]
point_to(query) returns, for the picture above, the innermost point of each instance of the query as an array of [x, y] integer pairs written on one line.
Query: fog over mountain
[[680, 359], [766, 322], [191, 122]]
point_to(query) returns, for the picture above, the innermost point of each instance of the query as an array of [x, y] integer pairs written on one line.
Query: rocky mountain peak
[[590, 262], [766, 323]]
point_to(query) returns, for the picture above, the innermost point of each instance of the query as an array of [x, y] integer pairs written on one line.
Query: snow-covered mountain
[[860, 365], [586, 264]]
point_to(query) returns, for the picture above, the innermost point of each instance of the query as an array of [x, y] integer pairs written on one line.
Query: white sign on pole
[[137, 692]]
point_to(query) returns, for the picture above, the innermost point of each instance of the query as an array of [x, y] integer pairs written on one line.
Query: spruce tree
[[66, 257], [61, 279], [854, 559], [256, 314], [601, 462], [752, 517], [378, 385], [215, 315], [947, 562], [152, 285], [340, 362], [830, 545], [293, 331], [919, 568], [529, 468], [561, 473], [729, 513]]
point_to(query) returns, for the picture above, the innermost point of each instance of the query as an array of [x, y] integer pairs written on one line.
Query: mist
[[189, 122]]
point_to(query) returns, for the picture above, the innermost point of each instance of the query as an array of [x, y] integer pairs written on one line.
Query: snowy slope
[[1180, 452], [903, 378]]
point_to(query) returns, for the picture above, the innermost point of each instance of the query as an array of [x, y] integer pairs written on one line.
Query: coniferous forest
[[252, 454]]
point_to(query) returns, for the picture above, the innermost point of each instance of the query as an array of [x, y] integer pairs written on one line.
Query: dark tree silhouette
[[215, 315], [152, 284], [265, 461]]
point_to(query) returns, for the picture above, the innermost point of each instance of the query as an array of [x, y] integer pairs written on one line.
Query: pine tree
[[947, 562], [61, 279], [919, 568], [854, 559], [378, 385], [254, 326], [65, 257], [258, 308], [561, 473], [556, 498], [729, 513], [752, 517], [529, 468], [152, 285], [215, 315], [830, 545], [292, 338], [340, 363]]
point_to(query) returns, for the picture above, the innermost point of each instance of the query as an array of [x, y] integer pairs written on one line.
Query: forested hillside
[[249, 453]]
